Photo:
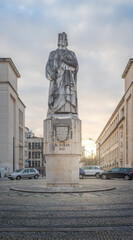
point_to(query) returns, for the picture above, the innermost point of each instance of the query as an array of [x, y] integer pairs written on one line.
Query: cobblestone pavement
[[93, 216]]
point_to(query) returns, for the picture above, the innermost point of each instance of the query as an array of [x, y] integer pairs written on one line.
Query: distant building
[[12, 118], [115, 143], [35, 153]]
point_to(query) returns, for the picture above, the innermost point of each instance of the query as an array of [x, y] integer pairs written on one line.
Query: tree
[[88, 161]]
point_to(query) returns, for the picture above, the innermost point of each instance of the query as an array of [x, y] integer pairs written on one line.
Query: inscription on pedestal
[[62, 146]]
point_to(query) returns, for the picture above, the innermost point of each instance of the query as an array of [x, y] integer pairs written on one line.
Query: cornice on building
[[21, 102], [34, 137], [9, 60], [127, 67], [114, 129]]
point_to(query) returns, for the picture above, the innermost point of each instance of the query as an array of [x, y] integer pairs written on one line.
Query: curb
[[59, 191]]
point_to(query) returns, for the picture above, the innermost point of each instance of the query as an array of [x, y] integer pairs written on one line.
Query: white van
[[93, 171]]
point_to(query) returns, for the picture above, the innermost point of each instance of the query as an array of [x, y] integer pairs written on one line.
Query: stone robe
[[61, 70]]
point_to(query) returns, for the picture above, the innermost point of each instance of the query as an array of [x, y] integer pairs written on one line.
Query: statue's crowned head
[[62, 40]]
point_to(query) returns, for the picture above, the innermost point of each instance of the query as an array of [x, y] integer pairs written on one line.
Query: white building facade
[[114, 146], [12, 118], [35, 153]]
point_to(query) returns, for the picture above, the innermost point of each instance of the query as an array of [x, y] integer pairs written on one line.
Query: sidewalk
[[3, 178], [39, 186]]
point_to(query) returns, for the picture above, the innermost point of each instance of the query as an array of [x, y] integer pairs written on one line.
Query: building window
[[33, 145], [39, 146], [32, 163], [25, 153], [122, 112], [29, 163], [29, 145], [35, 163], [20, 135], [38, 163], [29, 155], [21, 153], [33, 155], [121, 162], [20, 117], [38, 155]]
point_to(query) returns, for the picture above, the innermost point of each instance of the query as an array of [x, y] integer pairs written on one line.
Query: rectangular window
[[33, 155], [32, 163], [38, 145], [21, 135], [29, 145], [20, 117], [35, 163], [26, 171], [33, 145], [38, 163], [32, 170], [29, 163], [38, 155], [20, 153], [29, 155]]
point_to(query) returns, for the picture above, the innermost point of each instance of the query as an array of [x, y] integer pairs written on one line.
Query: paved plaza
[[104, 215]]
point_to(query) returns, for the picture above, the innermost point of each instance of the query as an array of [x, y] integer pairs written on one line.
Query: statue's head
[[62, 40]]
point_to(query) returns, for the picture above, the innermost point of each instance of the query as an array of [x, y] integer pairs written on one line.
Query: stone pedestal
[[62, 148]]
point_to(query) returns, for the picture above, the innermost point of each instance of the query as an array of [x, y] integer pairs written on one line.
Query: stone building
[[115, 143], [12, 118], [35, 152]]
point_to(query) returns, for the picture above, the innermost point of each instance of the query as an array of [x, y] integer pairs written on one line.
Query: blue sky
[[100, 34]]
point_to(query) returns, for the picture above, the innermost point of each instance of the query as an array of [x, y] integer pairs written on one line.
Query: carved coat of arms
[[61, 133]]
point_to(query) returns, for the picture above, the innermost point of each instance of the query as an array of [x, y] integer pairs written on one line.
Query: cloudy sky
[[100, 34]]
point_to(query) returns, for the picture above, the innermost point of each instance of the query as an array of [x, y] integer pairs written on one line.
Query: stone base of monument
[[62, 170], [62, 148]]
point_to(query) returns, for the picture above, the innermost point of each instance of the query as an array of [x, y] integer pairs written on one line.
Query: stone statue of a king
[[62, 127], [61, 70]]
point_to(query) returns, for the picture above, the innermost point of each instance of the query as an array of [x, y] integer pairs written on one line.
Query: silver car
[[24, 173], [93, 171]]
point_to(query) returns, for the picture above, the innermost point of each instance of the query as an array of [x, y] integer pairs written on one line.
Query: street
[[106, 215]]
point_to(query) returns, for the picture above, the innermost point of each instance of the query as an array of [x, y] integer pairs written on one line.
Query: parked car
[[93, 171], [81, 172], [24, 173], [126, 173]]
